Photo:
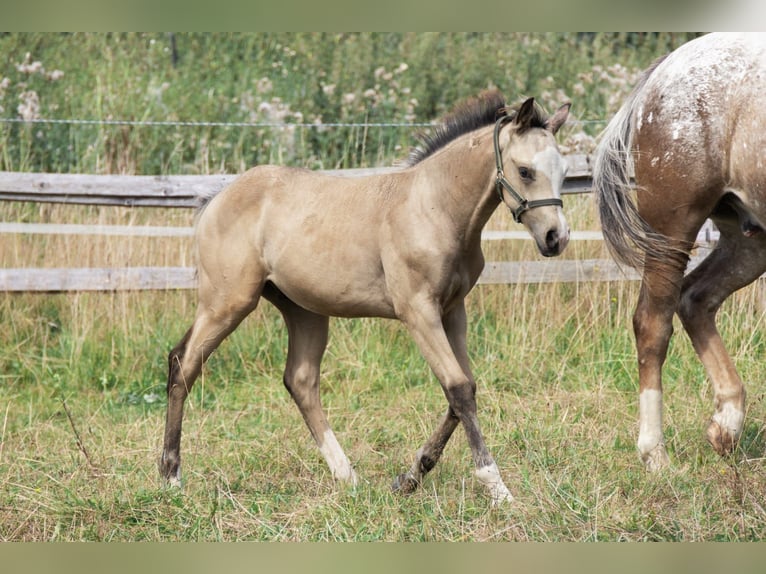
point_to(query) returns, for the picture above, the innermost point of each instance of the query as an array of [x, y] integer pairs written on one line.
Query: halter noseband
[[502, 183]]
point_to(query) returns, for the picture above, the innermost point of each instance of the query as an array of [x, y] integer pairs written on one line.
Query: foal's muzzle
[[555, 243]]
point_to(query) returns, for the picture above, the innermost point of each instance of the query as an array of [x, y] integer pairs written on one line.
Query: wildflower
[[29, 108], [349, 98], [328, 89], [263, 85], [29, 67]]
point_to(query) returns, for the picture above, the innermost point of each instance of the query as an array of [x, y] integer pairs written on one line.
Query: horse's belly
[[334, 295]]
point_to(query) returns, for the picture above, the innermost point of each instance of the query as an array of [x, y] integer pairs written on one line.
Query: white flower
[[29, 67], [29, 108], [263, 85]]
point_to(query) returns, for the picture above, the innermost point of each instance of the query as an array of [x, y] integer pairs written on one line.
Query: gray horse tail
[[204, 197], [628, 236]]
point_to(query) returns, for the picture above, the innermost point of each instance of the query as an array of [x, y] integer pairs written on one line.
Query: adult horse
[[405, 245], [694, 133]]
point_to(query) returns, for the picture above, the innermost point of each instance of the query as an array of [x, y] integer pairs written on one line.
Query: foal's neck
[[469, 174]]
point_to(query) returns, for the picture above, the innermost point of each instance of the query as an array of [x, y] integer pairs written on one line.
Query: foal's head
[[534, 170]]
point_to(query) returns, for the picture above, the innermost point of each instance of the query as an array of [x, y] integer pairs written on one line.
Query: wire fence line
[[204, 124]]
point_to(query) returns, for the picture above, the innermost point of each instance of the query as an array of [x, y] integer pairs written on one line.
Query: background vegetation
[[284, 80], [82, 375]]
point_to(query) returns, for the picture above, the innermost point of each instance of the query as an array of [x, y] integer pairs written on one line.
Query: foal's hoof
[[656, 459], [171, 473], [489, 476], [174, 482], [722, 440], [405, 483]]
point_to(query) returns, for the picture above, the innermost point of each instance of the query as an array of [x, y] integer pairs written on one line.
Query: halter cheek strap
[[502, 183]]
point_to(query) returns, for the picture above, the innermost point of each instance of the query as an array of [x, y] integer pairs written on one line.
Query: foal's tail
[[628, 236]]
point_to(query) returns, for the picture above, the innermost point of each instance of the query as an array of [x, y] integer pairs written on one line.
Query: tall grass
[[83, 412], [82, 375]]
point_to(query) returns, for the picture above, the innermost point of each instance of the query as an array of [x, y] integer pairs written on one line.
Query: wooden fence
[[184, 191]]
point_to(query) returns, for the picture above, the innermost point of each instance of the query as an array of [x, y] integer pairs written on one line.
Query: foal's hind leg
[[735, 262], [218, 314], [307, 340]]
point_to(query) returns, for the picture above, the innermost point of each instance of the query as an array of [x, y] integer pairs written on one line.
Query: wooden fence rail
[[185, 190], [177, 190]]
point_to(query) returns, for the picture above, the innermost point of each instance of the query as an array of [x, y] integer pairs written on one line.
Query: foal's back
[[316, 237]]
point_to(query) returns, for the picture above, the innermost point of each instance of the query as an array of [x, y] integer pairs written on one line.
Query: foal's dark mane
[[467, 116]]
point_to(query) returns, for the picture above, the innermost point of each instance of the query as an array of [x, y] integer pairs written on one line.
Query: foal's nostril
[[552, 239]]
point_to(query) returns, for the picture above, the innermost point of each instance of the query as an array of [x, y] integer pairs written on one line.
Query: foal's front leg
[[442, 343]]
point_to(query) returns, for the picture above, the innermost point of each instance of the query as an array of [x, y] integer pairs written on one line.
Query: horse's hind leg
[[735, 262], [307, 340], [653, 329], [218, 314]]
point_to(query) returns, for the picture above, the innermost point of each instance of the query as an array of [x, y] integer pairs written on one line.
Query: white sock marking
[[489, 476], [336, 458], [650, 421], [730, 419]]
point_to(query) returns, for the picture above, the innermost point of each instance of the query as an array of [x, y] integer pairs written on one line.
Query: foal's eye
[[525, 173]]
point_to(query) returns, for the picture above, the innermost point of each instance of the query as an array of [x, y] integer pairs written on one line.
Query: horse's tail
[[628, 236], [204, 197]]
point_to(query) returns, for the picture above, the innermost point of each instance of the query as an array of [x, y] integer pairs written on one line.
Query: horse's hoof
[[405, 483], [489, 476], [500, 496], [347, 477], [722, 441], [174, 482], [170, 476], [656, 459]]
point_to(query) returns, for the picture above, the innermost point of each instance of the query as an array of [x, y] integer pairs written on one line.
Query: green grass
[[559, 418]]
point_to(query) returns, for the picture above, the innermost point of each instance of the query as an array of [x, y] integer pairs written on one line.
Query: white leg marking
[[489, 476], [730, 419], [337, 459], [651, 445]]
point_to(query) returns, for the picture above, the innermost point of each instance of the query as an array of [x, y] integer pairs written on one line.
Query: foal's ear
[[557, 120], [526, 114]]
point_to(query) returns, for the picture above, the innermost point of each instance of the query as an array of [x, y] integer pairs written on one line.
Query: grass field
[[83, 411], [82, 375]]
